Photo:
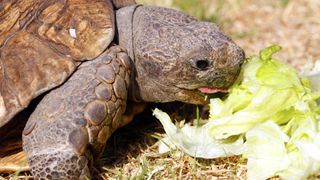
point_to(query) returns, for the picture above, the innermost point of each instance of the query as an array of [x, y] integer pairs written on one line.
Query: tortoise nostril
[[202, 64]]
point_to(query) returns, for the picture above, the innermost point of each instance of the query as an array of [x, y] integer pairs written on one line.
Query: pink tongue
[[210, 90]]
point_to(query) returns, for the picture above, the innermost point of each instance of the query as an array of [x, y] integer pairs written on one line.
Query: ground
[[253, 24], [132, 152]]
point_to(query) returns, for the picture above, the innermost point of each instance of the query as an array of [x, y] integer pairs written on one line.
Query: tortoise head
[[175, 56]]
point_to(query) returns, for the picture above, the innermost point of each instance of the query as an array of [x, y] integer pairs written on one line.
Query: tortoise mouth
[[212, 90], [200, 95], [206, 90]]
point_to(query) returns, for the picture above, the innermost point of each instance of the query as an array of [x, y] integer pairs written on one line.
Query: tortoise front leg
[[70, 126]]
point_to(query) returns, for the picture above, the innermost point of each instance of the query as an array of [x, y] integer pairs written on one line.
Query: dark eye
[[202, 64]]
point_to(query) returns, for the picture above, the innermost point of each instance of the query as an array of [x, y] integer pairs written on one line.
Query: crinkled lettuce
[[271, 116], [196, 141], [270, 88]]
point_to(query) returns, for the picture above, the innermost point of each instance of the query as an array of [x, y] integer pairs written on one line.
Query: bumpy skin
[[175, 54], [73, 122]]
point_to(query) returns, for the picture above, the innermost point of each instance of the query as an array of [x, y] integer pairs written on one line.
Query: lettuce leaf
[[265, 150], [195, 141], [269, 87]]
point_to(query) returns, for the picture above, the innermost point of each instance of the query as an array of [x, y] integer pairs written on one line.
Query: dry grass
[[253, 24], [132, 153]]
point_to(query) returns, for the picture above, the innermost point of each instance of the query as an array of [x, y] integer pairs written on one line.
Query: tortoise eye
[[202, 65]]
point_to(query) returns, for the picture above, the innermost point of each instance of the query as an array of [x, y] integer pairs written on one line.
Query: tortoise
[[89, 59]]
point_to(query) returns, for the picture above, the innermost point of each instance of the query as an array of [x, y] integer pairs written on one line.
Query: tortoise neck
[[125, 31], [124, 24]]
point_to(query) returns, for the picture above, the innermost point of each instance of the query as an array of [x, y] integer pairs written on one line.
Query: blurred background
[[255, 24]]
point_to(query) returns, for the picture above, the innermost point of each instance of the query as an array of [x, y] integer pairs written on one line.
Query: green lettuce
[[266, 151], [270, 116], [196, 141], [268, 89]]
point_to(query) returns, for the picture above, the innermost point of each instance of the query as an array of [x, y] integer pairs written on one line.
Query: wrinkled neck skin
[[124, 24], [138, 91], [124, 20]]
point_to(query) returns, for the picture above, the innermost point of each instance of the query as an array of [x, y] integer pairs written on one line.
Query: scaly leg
[[69, 128]]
